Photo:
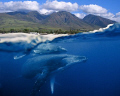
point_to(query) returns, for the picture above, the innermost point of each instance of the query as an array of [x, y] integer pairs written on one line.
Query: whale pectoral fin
[[52, 82], [20, 55], [39, 82]]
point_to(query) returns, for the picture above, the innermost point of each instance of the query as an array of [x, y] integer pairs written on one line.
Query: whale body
[[44, 66]]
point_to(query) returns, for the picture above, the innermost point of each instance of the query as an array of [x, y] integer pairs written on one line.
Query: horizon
[[78, 8]]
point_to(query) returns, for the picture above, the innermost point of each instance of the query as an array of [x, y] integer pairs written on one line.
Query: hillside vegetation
[[58, 22]]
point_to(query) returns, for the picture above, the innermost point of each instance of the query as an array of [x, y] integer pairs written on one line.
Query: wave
[[23, 42], [110, 30], [14, 42]]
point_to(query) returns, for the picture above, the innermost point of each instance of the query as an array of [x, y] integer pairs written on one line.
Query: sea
[[90, 64]]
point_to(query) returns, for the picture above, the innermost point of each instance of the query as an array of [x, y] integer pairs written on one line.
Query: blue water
[[98, 75]]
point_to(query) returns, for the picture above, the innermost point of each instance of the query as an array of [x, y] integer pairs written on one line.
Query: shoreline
[[36, 33]]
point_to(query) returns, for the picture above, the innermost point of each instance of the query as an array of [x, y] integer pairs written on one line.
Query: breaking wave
[[15, 42], [112, 30]]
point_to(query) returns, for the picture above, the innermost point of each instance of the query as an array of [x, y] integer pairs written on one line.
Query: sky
[[107, 8]]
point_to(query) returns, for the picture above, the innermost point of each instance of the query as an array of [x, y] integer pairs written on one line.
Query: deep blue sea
[[85, 64]]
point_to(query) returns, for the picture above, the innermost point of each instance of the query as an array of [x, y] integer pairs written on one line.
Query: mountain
[[57, 20], [97, 20], [33, 16], [17, 21], [37, 15], [65, 20]]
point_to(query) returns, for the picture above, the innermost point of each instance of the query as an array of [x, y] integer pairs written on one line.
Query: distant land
[[57, 22]]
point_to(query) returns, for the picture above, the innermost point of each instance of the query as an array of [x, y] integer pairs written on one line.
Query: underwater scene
[[84, 64]]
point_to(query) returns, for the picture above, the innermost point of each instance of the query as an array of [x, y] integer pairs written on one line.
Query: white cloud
[[80, 15], [93, 9], [19, 5], [106, 15], [46, 8], [118, 14], [100, 11], [45, 11], [54, 5], [116, 17], [60, 6], [112, 16]]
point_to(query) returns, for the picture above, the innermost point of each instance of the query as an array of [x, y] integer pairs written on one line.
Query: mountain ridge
[[97, 20], [63, 18], [57, 20]]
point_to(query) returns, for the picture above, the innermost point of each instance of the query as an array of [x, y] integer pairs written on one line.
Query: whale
[[44, 66], [42, 49], [48, 48]]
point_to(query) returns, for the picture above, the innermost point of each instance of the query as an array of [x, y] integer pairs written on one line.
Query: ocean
[[84, 64]]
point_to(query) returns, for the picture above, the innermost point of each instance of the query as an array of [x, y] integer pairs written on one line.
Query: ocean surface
[[84, 64]]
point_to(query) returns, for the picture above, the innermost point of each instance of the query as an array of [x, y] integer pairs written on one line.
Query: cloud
[[116, 17], [118, 14], [45, 11], [52, 6], [93, 9], [60, 6], [107, 15], [80, 15], [46, 8], [19, 5], [100, 11]]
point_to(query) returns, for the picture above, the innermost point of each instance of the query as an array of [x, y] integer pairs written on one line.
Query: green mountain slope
[[66, 20], [10, 22], [58, 20], [97, 20], [33, 16]]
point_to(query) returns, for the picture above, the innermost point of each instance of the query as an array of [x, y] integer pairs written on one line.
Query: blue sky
[[107, 8]]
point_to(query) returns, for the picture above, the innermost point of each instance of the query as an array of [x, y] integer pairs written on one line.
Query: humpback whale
[[47, 48], [44, 66], [42, 49]]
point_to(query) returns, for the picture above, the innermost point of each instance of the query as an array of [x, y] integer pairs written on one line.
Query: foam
[[24, 41], [18, 37], [112, 30], [102, 29]]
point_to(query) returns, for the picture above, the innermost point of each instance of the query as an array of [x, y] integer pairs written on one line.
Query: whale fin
[[52, 82], [39, 82], [18, 56]]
